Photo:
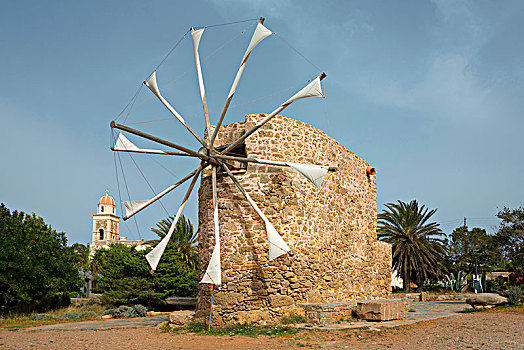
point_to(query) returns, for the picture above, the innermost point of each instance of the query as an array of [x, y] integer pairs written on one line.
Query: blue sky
[[428, 92]]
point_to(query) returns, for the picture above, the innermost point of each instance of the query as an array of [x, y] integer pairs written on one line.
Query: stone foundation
[[332, 232]]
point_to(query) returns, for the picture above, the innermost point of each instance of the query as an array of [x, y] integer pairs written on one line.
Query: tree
[[510, 238], [417, 244], [37, 269], [123, 274], [473, 248], [183, 238]]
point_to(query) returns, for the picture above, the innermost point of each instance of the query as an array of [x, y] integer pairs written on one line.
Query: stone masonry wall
[[332, 232]]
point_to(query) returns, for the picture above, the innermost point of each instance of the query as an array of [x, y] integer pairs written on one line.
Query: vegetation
[[183, 237], [124, 311], [515, 295], [293, 319], [470, 249], [123, 276], [456, 283], [417, 244], [510, 239], [250, 331], [84, 312], [37, 269]]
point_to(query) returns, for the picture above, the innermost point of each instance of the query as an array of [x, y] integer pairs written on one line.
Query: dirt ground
[[486, 330]]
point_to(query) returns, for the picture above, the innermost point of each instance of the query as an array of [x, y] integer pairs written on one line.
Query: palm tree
[[417, 245], [183, 237]]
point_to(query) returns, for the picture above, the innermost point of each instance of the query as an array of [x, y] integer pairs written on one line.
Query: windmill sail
[[213, 273], [123, 144], [153, 257], [277, 246], [312, 89], [152, 84], [133, 207], [260, 34], [314, 173], [196, 35]]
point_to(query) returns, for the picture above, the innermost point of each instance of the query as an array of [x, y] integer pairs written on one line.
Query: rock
[[278, 300], [227, 299], [381, 310], [181, 318], [485, 300], [251, 317]]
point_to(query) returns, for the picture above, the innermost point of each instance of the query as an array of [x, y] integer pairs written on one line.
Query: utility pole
[[465, 221]]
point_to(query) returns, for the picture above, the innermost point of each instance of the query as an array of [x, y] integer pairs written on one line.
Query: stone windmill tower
[[279, 163]]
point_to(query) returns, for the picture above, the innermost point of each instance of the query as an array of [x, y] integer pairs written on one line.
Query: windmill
[[217, 157]]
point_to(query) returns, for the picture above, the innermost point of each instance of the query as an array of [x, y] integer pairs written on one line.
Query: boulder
[[251, 317], [180, 318], [381, 310], [485, 300]]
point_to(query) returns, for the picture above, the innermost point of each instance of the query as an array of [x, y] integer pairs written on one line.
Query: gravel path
[[486, 330]]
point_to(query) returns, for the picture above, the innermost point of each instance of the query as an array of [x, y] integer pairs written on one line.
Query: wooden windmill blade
[[153, 257], [260, 34], [196, 35], [152, 84]]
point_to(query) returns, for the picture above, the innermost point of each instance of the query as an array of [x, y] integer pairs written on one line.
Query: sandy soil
[[487, 330]]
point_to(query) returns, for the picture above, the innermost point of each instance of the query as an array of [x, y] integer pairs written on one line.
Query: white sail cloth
[[260, 34], [153, 257], [213, 274], [313, 89], [123, 144], [134, 206], [314, 173]]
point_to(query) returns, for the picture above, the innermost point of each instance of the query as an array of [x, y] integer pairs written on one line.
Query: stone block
[[485, 300], [251, 317], [181, 318], [227, 299], [278, 300], [381, 310]]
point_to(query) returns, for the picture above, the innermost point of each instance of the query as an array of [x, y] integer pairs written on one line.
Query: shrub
[[124, 274], [515, 295], [37, 269], [124, 311]]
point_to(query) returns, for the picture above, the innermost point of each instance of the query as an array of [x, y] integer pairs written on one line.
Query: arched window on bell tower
[[101, 231]]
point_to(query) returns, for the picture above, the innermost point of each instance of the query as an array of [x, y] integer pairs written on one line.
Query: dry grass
[[16, 321]]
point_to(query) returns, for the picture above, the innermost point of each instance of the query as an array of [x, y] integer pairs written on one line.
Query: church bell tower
[[105, 222]]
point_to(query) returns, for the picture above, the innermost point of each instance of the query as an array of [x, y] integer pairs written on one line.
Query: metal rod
[[232, 90], [158, 140], [167, 190], [264, 121], [211, 308]]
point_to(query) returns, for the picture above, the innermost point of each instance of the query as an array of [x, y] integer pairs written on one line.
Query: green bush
[[124, 311], [37, 269], [515, 295], [124, 275]]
